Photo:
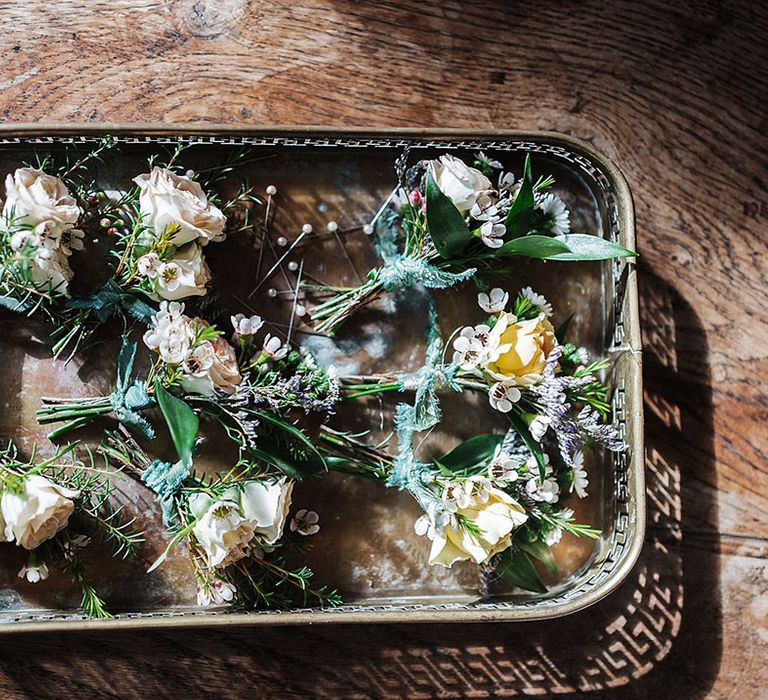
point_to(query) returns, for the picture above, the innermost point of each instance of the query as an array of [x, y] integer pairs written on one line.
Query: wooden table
[[676, 94]]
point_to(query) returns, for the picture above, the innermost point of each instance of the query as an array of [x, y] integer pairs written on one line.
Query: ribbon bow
[[166, 479], [130, 397], [113, 300]]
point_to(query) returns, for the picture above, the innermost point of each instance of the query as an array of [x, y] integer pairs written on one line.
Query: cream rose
[[220, 529], [173, 202], [41, 202], [460, 183], [265, 505], [210, 366], [226, 528], [185, 275], [523, 347], [495, 519], [38, 513]]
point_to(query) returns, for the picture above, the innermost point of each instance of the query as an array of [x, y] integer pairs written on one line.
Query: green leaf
[[447, 227], [182, 422], [518, 219], [519, 424], [278, 455], [534, 246], [290, 429], [562, 329], [517, 569], [582, 246], [536, 548], [471, 453]]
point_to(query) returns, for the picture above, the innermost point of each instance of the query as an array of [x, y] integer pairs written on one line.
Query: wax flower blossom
[[181, 275], [192, 353]]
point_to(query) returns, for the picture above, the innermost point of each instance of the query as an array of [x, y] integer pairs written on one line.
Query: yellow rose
[[492, 524], [522, 350]]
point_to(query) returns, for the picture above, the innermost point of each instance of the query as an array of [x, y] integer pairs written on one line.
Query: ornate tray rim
[[391, 613]]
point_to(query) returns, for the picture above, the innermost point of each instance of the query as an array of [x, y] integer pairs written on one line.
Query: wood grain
[[676, 95]]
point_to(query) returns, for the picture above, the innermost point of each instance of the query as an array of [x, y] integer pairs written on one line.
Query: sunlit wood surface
[[676, 94]]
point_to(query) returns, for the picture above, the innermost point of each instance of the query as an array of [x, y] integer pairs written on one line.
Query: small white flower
[[468, 350], [305, 522], [148, 264], [506, 181], [23, 238], [494, 302], [539, 426], [455, 496], [477, 489], [274, 347], [580, 480], [246, 326], [538, 301], [34, 570], [425, 526], [490, 162], [217, 592], [71, 240], [556, 534], [492, 234], [502, 467], [558, 217], [547, 491], [485, 209], [503, 396], [220, 529]]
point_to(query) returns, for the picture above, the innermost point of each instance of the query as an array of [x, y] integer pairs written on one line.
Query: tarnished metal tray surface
[[366, 547]]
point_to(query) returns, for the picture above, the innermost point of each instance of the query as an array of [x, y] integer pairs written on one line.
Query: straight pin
[[305, 230], [295, 299]]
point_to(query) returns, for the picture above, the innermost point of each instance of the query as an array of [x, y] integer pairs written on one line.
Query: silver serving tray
[[366, 547]]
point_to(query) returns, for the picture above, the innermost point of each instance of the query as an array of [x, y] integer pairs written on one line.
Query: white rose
[[170, 201], [211, 366], [37, 514], [220, 529], [460, 183], [184, 276], [495, 519], [41, 202], [265, 505]]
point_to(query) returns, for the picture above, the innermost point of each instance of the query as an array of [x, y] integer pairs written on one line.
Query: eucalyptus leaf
[[516, 568], [447, 227], [471, 453], [519, 424], [536, 548], [183, 423], [534, 246], [518, 219], [582, 246]]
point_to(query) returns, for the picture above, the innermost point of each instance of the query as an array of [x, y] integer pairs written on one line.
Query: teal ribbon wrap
[[403, 271], [166, 480], [432, 377], [129, 397], [14, 305], [408, 473], [400, 271], [113, 300]]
